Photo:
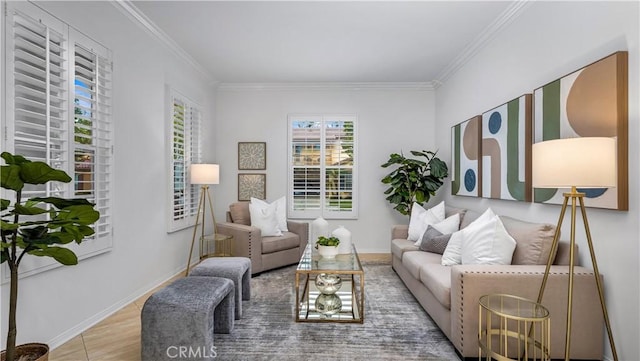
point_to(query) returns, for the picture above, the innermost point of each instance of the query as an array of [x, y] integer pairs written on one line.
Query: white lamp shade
[[587, 162], [205, 174]]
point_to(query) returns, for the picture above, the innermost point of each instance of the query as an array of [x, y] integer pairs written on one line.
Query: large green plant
[[38, 226], [414, 180]]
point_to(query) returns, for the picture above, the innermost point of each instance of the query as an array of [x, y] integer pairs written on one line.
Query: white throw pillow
[[281, 210], [449, 225], [453, 253], [265, 218], [489, 244], [422, 218]]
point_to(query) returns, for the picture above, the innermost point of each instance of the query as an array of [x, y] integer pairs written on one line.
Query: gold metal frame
[[357, 296], [204, 196], [525, 327], [576, 196]]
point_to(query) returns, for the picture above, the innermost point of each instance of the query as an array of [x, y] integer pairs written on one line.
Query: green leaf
[[60, 202], [82, 215], [4, 204], [10, 177], [13, 159], [29, 211], [63, 255], [420, 196], [41, 173], [6, 226]]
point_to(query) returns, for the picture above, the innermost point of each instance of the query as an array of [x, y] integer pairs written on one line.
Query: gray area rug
[[395, 326]]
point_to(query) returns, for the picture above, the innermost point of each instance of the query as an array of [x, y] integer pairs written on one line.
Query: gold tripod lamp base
[[576, 197]]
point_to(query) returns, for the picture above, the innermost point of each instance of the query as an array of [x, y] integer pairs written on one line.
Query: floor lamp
[[203, 174], [587, 162]]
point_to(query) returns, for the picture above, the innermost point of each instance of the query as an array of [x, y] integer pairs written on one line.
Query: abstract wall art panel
[[466, 161], [506, 151], [252, 185], [590, 102]]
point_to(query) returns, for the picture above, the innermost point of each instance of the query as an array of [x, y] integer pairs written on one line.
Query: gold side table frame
[[216, 245], [513, 328]]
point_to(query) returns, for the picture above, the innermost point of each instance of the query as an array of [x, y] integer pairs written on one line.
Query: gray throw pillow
[[434, 241]]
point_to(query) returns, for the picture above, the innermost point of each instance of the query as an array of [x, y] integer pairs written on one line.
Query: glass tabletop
[[513, 307], [312, 262]]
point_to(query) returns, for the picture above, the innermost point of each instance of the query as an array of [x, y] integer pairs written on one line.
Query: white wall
[[57, 304], [389, 120], [549, 40]]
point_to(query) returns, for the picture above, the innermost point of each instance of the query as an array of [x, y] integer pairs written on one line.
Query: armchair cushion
[[240, 213], [288, 240]]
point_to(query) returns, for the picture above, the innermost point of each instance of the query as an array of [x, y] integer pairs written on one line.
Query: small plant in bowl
[[327, 246]]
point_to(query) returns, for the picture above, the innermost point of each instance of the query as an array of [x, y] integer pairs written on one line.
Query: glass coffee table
[[329, 289]]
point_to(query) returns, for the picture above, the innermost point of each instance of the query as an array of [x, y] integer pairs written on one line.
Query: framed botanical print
[[252, 185], [252, 155]]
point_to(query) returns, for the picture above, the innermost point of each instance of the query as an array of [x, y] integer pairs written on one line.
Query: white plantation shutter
[[37, 94], [184, 133], [59, 111], [322, 167], [93, 129]]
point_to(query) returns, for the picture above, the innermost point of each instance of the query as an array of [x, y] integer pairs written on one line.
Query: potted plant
[[327, 246], [37, 226], [414, 180]]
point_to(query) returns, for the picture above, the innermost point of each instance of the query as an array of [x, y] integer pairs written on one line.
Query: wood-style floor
[[118, 336]]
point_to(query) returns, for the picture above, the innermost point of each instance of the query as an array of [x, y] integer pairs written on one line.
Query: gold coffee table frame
[[351, 293], [512, 326]]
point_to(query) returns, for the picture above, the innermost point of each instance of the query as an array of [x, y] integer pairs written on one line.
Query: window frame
[[323, 211], [51, 138], [192, 155]]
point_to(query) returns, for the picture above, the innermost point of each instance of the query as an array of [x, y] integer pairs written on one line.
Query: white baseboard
[[93, 320]]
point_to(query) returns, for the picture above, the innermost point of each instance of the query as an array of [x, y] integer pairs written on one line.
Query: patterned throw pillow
[[434, 241]]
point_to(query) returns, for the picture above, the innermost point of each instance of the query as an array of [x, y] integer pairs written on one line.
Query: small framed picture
[[252, 155], [252, 185]]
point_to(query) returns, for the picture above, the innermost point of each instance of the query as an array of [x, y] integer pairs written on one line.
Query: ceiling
[[324, 41]]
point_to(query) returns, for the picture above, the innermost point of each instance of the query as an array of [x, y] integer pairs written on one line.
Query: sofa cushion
[[288, 240], [435, 241], [421, 218], [437, 279], [534, 240], [487, 243], [240, 213], [399, 246], [414, 260], [469, 217]]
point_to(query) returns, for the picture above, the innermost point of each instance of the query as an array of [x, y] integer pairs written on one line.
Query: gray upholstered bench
[[184, 316], [237, 269]]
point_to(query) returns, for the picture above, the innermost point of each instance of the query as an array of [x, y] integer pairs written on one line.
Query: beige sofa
[[450, 294], [266, 253]]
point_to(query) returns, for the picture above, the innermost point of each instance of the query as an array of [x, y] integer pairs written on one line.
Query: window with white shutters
[[322, 167], [58, 110], [184, 132]]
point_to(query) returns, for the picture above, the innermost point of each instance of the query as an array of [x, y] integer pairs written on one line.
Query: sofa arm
[[302, 230], [247, 242], [399, 231], [470, 282]]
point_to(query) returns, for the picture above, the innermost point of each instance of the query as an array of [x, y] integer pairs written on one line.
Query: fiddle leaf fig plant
[[414, 180], [38, 226]]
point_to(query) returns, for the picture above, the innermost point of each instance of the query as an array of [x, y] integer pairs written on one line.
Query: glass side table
[[216, 245], [512, 328]]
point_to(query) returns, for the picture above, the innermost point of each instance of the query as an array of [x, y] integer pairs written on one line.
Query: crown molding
[[138, 17], [486, 36], [328, 85]]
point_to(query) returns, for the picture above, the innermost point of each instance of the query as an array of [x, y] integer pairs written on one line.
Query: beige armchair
[[266, 253]]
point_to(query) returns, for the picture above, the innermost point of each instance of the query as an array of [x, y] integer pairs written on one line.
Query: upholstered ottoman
[[184, 316], [237, 269]]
